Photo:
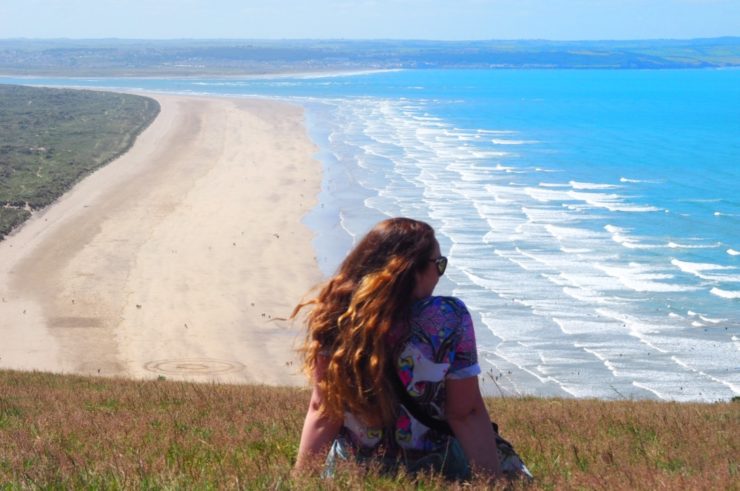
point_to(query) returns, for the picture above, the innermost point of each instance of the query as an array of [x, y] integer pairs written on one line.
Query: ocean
[[591, 217]]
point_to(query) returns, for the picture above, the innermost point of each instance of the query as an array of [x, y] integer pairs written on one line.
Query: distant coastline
[[230, 57], [208, 76]]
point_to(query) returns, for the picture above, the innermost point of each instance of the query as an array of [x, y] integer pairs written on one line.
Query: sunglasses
[[441, 264]]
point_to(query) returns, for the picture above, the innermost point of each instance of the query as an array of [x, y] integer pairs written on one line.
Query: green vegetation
[[72, 432], [52, 138], [191, 57]]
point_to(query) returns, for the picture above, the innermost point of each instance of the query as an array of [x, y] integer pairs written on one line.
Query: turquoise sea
[[591, 217]]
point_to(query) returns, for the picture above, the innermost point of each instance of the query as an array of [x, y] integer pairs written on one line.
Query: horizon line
[[284, 39]]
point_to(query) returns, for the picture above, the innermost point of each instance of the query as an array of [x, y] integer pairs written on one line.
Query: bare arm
[[467, 415], [318, 429]]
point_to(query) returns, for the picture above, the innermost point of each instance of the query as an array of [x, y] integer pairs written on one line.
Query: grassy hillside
[[51, 138], [67, 432]]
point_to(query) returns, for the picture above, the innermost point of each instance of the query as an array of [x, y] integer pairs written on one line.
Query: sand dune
[[172, 259]]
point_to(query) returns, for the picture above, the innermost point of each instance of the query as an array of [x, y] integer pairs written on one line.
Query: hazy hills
[[199, 57]]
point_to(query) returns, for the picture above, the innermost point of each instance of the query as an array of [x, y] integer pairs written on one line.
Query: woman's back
[[437, 343]]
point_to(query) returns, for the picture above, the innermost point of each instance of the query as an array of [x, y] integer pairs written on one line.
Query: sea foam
[[619, 235], [732, 295], [591, 185], [501, 141], [698, 270], [642, 278], [674, 245]]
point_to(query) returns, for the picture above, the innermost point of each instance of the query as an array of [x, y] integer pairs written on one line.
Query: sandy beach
[[173, 259]]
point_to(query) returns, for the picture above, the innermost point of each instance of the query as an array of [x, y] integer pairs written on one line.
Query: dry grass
[[81, 432]]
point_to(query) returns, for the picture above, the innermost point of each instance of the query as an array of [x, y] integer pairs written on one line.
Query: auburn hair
[[349, 319]]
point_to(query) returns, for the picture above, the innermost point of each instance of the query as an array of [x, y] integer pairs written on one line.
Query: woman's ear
[[419, 290]]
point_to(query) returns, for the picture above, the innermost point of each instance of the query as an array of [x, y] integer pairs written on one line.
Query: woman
[[376, 319]]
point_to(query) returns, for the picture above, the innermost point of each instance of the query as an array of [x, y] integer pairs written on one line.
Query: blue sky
[[368, 19]]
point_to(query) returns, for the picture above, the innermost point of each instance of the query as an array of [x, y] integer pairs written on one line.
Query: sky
[[370, 19]]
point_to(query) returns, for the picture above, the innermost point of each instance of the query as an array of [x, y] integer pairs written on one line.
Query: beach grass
[[52, 138], [73, 432]]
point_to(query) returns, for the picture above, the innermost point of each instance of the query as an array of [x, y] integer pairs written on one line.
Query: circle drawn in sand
[[193, 366]]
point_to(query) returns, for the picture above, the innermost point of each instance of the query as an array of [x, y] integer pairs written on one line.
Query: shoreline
[[128, 274]]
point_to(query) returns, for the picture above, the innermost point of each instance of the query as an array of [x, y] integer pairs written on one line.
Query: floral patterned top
[[437, 345]]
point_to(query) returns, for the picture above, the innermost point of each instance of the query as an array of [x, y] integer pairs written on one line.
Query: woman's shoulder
[[435, 305], [443, 320]]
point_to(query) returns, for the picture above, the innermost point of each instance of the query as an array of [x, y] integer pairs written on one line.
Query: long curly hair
[[349, 319]]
